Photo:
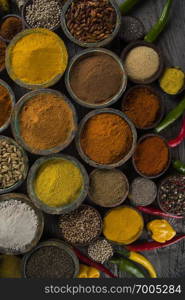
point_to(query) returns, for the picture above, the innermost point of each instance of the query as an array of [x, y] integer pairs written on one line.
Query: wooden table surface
[[169, 262]]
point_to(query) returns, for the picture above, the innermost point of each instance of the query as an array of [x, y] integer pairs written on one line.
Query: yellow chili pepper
[[88, 272], [161, 230]]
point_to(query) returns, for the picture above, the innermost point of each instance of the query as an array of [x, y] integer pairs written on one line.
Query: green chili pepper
[[155, 31], [172, 116], [179, 166], [128, 266], [127, 6]]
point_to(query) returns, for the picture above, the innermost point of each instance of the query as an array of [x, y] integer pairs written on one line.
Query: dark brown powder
[[96, 79], [10, 27], [2, 55]]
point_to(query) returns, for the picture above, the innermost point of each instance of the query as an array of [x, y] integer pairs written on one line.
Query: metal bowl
[[161, 60], [81, 127], [8, 60], [24, 199], [12, 99], [8, 16], [61, 209], [26, 166], [15, 125], [161, 102], [52, 243], [3, 68], [90, 45], [113, 205], [87, 53], [169, 159]]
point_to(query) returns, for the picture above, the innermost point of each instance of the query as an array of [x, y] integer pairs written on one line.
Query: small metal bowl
[[8, 61], [161, 60], [136, 237], [12, 98], [88, 53], [26, 166], [160, 98], [169, 159], [61, 209], [81, 127], [85, 44], [26, 200], [3, 68], [52, 243], [6, 17], [113, 205], [59, 233], [15, 125]]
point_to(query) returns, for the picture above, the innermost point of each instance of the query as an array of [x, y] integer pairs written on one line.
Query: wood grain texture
[[169, 262]]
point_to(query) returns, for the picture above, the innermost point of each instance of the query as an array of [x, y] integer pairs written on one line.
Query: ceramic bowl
[[12, 99]]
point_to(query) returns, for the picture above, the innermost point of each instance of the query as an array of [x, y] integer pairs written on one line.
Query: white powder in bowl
[[18, 224]]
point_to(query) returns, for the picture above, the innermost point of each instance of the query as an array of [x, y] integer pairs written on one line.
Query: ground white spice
[[142, 63], [18, 224]]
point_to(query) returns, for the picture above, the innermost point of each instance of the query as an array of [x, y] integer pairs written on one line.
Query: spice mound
[[2, 55], [91, 21], [81, 226], [172, 195], [132, 29], [18, 225], [108, 187], [46, 121], [100, 251], [123, 225], [151, 156], [10, 27], [142, 63], [96, 79], [106, 138], [142, 106], [58, 182], [12, 164], [50, 262], [172, 81], [38, 57], [143, 191], [5, 105], [43, 13]]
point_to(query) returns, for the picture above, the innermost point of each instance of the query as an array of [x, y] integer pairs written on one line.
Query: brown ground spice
[[2, 55], [5, 105], [96, 79], [10, 27], [151, 156], [142, 107], [46, 121]]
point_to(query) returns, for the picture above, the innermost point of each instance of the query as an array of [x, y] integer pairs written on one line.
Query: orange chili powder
[[5, 105]]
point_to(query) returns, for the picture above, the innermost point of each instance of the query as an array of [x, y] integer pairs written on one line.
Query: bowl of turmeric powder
[[106, 138], [7, 102]]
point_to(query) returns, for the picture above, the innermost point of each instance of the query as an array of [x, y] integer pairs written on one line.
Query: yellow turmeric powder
[[58, 182], [172, 81], [123, 225], [38, 57]]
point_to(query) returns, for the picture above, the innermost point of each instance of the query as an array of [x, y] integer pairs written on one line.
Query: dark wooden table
[[169, 262]]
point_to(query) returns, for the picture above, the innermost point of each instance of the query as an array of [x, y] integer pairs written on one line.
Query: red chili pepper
[[154, 245], [178, 140], [156, 212], [91, 263]]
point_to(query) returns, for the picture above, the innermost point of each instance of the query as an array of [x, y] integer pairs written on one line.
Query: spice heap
[[2, 55], [91, 21], [43, 13], [81, 226], [12, 166], [108, 187], [172, 194], [151, 156], [122, 225], [18, 225], [10, 27], [38, 57], [50, 262], [142, 63], [96, 79], [143, 191], [58, 182], [100, 251], [132, 29], [142, 106], [46, 121], [106, 138], [172, 81], [5, 105]]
